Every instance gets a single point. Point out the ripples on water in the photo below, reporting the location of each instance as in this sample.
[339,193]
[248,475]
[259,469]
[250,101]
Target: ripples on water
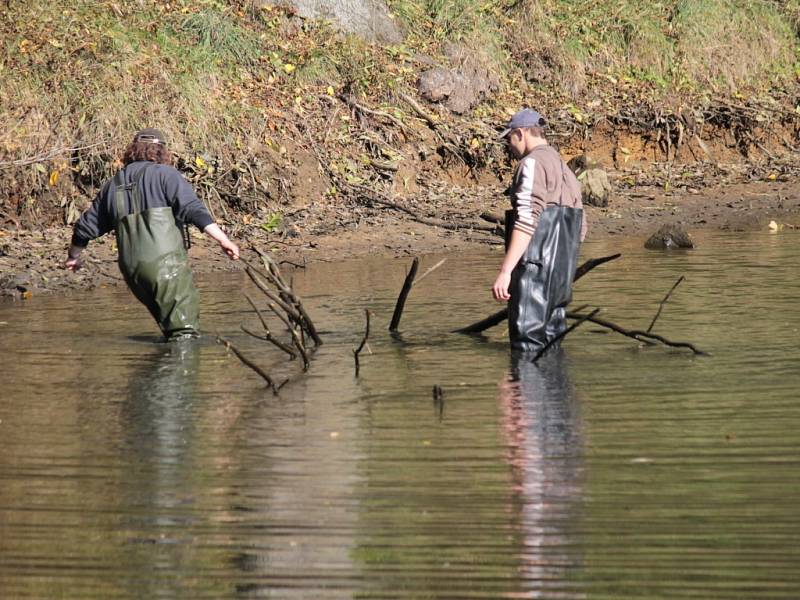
[133,469]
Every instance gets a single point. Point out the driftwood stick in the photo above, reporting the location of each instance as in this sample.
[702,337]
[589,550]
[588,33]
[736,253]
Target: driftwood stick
[363,342]
[286,289]
[247,362]
[661,305]
[401,299]
[640,336]
[564,333]
[502,315]
[293,314]
[429,271]
[295,338]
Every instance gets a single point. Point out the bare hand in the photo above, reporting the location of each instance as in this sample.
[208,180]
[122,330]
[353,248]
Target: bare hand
[500,287]
[73,264]
[231,249]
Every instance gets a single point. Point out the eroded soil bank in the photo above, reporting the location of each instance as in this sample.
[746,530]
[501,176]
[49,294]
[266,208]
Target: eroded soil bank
[31,261]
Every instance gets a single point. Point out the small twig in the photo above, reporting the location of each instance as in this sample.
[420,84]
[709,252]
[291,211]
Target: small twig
[363,342]
[419,110]
[429,271]
[247,362]
[49,155]
[401,299]
[564,333]
[375,113]
[661,305]
[294,264]
[372,196]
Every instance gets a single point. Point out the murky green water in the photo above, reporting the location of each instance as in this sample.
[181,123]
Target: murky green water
[132,470]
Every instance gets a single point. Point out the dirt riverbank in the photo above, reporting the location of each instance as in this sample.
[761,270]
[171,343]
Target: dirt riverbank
[31,261]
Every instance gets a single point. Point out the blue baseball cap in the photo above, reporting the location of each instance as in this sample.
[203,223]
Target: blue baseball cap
[527,117]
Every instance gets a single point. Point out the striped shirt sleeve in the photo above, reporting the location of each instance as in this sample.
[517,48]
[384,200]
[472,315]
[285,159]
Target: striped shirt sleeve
[528,210]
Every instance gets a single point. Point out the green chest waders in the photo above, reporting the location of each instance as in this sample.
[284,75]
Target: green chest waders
[154,262]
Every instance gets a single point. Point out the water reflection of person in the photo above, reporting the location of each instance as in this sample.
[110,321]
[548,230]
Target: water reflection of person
[158,420]
[541,424]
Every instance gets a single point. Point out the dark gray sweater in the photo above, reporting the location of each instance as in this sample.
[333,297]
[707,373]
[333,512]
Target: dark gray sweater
[160,186]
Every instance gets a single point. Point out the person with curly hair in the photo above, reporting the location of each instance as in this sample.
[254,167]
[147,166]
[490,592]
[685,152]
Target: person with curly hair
[147,203]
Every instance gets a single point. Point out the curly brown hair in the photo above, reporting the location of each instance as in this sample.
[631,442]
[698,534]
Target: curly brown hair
[148,151]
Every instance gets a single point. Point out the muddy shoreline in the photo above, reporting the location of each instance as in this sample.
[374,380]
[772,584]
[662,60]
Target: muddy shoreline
[31,261]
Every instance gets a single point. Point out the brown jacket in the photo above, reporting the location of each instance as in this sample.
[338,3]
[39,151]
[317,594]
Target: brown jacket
[542,179]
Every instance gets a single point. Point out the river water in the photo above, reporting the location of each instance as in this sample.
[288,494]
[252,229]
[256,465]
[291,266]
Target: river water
[131,469]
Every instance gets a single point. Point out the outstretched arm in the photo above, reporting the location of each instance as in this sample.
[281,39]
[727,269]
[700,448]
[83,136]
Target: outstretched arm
[231,249]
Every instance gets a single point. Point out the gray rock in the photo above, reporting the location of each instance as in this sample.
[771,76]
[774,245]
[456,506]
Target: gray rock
[436,84]
[369,19]
[595,188]
[669,236]
[594,180]
[461,86]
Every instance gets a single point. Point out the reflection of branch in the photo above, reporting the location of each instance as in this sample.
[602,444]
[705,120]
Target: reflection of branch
[564,333]
[661,306]
[363,341]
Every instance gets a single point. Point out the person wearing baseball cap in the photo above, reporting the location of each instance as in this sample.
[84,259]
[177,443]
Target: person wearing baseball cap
[147,204]
[544,229]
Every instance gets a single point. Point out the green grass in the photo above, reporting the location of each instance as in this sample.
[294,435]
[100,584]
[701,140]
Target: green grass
[678,44]
[213,72]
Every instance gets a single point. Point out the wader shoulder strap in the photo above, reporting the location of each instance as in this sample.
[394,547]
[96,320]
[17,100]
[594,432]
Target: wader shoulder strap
[118,184]
[120,189]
